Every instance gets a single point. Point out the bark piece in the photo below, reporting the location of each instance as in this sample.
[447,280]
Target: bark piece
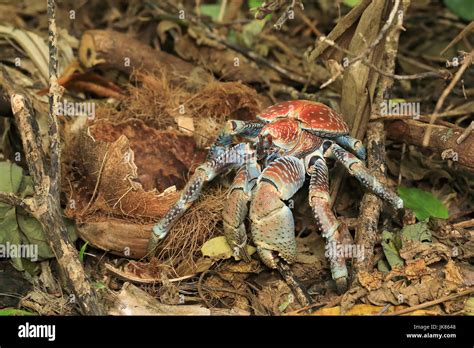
[442,140]
[131,300]
[125,53]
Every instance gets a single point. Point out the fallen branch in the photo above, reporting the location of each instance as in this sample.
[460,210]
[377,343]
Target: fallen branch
[466,62]
[444,74]
[249,54]
[46,209]
[371,205]
[129,277]
[45,204]
[442,139]
[358,83]
[466,133]
[125,53]
[432,303]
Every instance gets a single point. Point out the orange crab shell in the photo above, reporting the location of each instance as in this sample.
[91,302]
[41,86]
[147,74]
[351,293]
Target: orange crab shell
[284,131]
[314,117]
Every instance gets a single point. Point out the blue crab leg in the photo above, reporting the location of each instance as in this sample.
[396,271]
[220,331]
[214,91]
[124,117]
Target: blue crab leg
[320,202]
[273,230]
[222,159]
[353,144]
[236,208]
[356,168]
[247,129]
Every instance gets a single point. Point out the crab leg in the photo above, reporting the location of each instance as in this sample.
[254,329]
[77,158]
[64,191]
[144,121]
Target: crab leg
[357,168]
[320,202]
[236,208]
[273,228]
[221,159]
[246,129]
[353,144]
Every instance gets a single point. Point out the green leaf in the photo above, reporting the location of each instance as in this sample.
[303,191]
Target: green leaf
[211,10]
[254,3]
[232,36]
[10,235]
[383,266]
[286,303]
[423,203]
[461,8]
[469,306]
[397,100]
[250,31]
[82,251]
[33,233]
[7,312]
[416,232]
[392,242]
[390,246]
[351,3]
[17,227]
[99,285]
[10,181]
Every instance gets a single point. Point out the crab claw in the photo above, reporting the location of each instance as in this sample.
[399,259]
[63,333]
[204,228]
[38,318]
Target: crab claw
[273,228]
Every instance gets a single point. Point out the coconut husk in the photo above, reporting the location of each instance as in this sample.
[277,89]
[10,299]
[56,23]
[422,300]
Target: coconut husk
[134,159]
[106,180]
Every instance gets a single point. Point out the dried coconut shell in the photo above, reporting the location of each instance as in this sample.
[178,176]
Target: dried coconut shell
[120,167]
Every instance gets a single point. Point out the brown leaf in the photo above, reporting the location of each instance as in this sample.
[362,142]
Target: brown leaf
[370,281]
[416,268]
[453,274]
[429,252]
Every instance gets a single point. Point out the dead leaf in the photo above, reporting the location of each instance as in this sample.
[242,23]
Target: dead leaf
[416,268]
[365,309]
[218,248]
[453,274]
[370,281]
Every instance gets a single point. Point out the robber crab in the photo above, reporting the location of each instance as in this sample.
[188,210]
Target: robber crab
[288,141]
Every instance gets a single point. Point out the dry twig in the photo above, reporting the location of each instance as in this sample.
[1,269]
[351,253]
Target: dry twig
[371,205]
[466,62]
[45,204]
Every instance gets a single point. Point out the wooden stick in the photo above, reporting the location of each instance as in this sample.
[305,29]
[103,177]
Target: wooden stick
[432,303]
[55,92]
[371,205]
[467,61]
[301,294]
[14,200]
[442,139]
[465,134]
[45,204]
[47,211]
[125,53]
